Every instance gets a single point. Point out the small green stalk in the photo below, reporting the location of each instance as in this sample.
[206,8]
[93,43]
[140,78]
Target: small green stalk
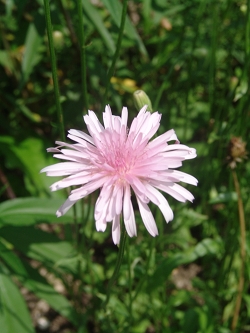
[118,264]
[54,69]
[83,53]
[117,51]
[241,282]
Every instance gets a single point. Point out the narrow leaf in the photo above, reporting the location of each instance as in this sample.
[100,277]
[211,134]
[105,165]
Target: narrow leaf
[40,245]
[96,20]
[115,9]
[30,211]
[14,315]
[37,284]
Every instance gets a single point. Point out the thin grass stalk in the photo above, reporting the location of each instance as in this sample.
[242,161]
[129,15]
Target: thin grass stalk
[244,101]
[54,69]
[83,53]
[190,70]
[242,252]
[117,51]
[212,67]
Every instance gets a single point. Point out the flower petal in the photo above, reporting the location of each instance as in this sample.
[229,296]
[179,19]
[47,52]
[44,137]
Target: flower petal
[162,203]
[82,135]
[63,169]
[147,218]
[116,232]
[128,213]
[65,207]
[101,225]
[81,192]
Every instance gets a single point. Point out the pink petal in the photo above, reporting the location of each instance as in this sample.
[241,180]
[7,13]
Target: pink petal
[107,117]
[87,189]
[100,225]
[82,135]
[128,213]
[116,232]
[62,169]
[124,116]
[162,203]
[65,207]
[167,136]
[147,218]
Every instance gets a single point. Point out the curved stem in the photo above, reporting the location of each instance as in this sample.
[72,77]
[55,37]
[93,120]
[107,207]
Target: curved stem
[117,51]
[118,263]
[242,252]
[83,54]
[54,69]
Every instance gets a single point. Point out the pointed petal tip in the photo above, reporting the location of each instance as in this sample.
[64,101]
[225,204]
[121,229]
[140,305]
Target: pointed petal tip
[59,214]
[101,225]
[42,170]
[53,188]
[170,219]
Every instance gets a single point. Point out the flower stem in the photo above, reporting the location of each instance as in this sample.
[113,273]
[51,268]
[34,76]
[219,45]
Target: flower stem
[83,53]
[54,69]
[145,276]
[118,264]
[242,252]
[129,285]
[117,51]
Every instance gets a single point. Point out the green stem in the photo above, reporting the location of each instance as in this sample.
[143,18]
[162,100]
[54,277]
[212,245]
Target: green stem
[212,66]
[242,252]
[83,53]
[144,278]
[129,286]
[54,69]
[118,263]
[117,51]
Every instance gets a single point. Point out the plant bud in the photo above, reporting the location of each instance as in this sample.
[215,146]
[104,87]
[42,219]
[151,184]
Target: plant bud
[141,99]
[236,151]
[58,40]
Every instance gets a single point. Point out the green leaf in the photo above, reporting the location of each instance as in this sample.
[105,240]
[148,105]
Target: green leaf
[6,61]
[30,154]
[115,9]
[223,197]
[191,322]
[96,20]
[33,281]
[31,157]
[33,41]
[206,247]
[9,4]
[14,316]
[42,246]
[30,211]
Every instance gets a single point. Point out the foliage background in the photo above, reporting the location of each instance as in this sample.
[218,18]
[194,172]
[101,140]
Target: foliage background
[192,59]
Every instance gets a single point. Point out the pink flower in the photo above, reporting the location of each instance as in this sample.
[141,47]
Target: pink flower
[116,160]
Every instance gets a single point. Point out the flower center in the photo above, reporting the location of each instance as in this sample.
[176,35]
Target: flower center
[118,155]
[119,158]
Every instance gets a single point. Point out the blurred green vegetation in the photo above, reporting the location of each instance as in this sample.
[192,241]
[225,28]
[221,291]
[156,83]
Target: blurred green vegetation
[192,58]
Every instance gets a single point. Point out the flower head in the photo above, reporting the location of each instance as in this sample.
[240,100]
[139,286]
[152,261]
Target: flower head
[237,151]
[116,160]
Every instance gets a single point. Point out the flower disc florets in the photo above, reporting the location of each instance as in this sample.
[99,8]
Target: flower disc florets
[115,161]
